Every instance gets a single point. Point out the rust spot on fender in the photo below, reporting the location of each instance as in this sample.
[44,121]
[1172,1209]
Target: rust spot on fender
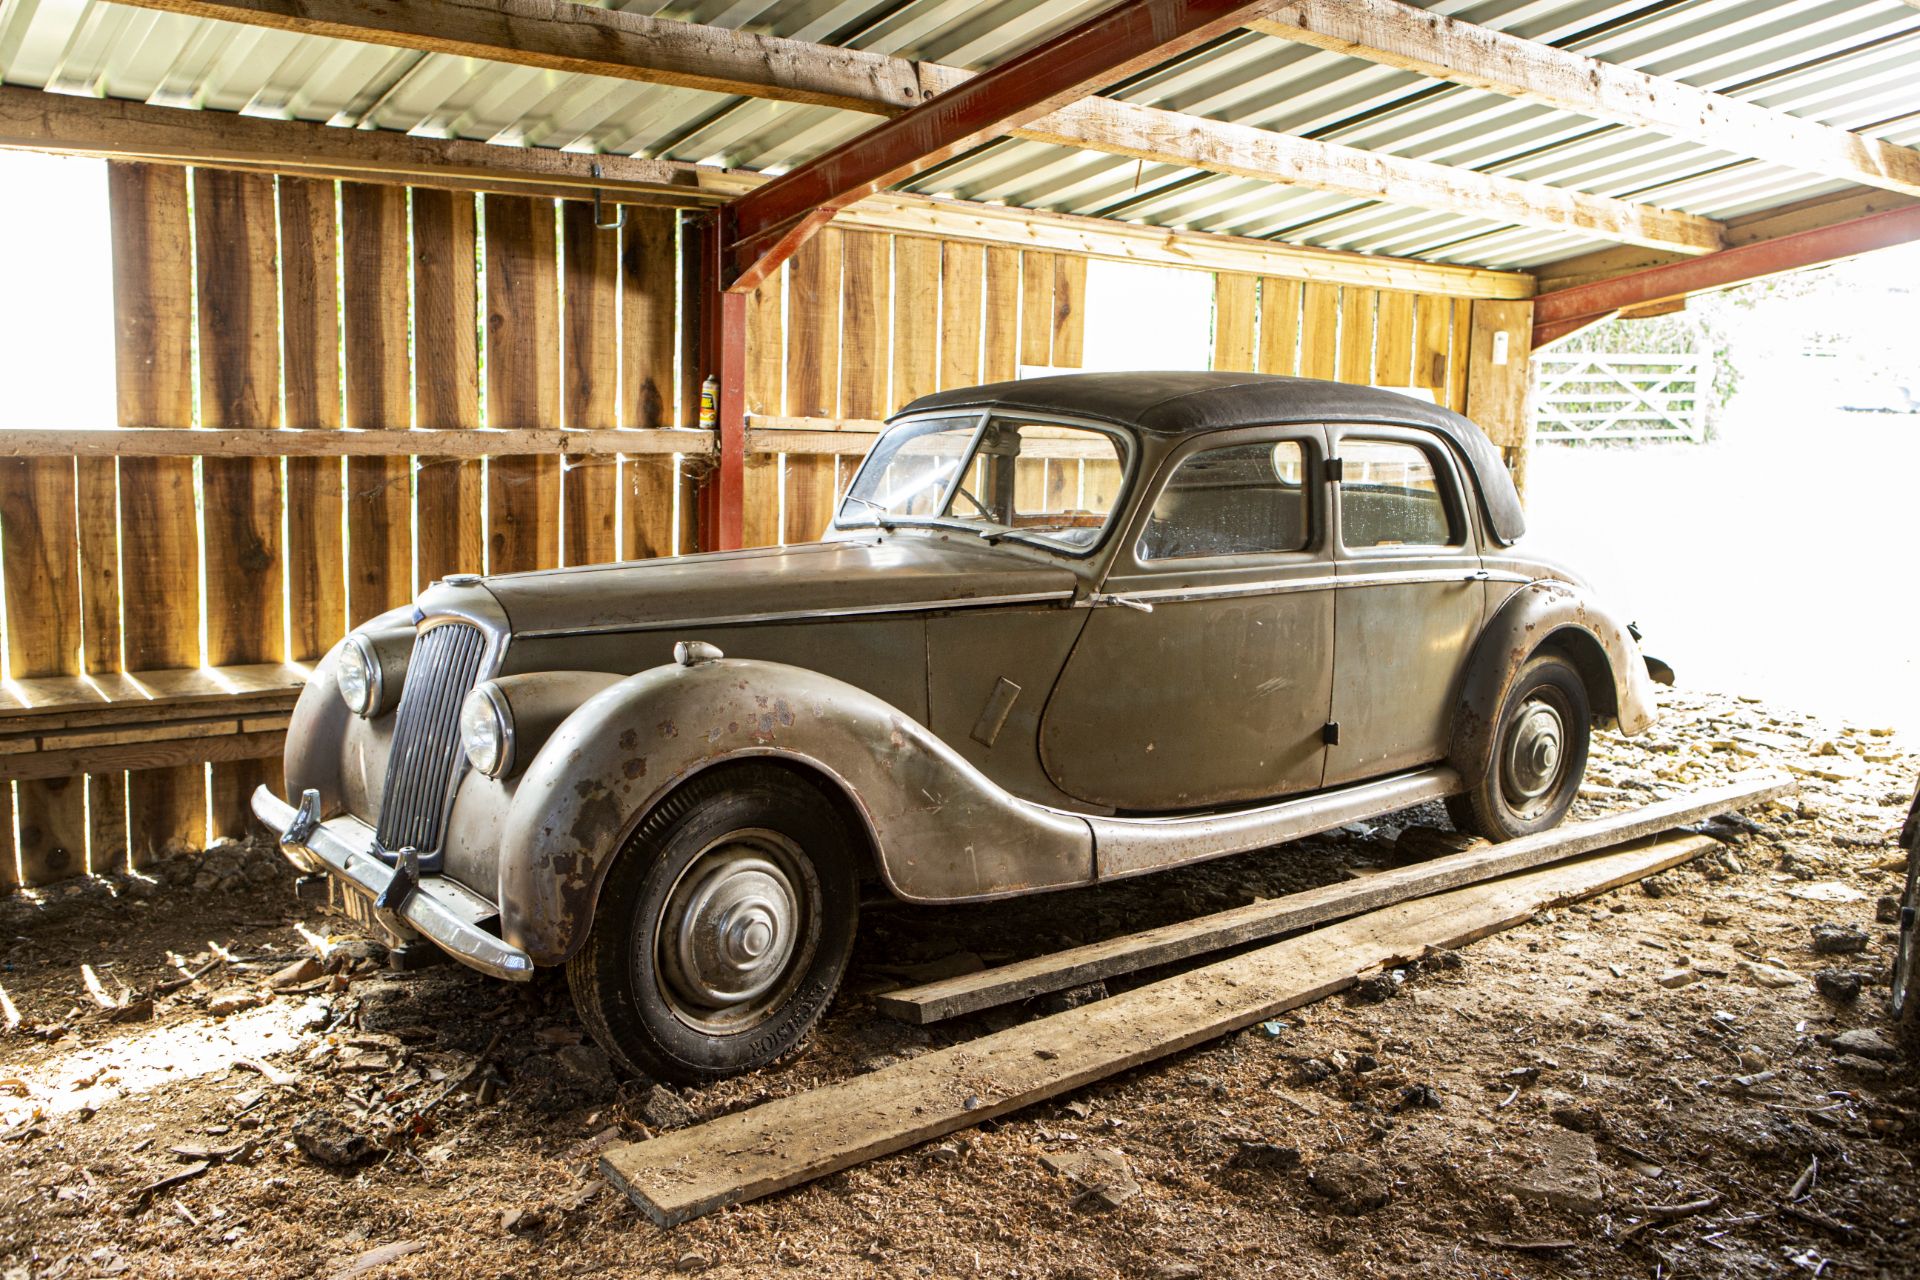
[599,816]
[668,729]
[629,739]
[635,768]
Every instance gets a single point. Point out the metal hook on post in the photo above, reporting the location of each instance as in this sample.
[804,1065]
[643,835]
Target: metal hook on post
[599,209]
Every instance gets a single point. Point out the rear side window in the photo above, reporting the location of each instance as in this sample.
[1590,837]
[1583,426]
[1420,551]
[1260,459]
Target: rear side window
[1390,496]
[1244,499]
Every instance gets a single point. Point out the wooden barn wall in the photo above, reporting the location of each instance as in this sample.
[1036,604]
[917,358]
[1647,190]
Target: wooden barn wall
[243,300]
[860,323]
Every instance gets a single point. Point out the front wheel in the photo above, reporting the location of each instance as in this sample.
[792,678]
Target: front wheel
[1539,755]
[723,928]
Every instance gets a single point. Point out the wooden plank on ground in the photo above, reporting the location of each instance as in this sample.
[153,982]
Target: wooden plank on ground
[523,381]
[1000,351]
[649,273]
[449,532]
[781,1144]
[379,506]
[590,486]
[1130,953]
[239,319]
[962,281]
[310,366]
[1279,325]
[1319,330]
[916,319]
[1233,311]
[158,540]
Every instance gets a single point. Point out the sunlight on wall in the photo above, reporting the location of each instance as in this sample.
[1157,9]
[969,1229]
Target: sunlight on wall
[1141,317]
[56,275]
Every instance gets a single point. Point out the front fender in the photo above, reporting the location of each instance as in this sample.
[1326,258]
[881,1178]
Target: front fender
[1598,643]
[941,831]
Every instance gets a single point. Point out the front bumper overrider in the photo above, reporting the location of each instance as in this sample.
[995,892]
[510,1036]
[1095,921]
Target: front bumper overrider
[442,910]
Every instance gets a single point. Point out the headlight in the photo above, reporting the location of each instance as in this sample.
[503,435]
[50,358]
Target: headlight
[358,675]
[486,730]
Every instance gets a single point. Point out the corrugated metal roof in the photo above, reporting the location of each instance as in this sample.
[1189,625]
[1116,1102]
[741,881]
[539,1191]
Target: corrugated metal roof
[1855,65]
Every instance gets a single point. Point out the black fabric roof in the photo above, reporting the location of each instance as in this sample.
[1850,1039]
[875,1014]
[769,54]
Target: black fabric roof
[1185,402]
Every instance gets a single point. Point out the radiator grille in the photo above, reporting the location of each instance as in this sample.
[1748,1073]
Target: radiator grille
[426,736]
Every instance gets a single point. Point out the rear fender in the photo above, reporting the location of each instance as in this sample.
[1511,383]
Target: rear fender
[1563,616]
[940,830]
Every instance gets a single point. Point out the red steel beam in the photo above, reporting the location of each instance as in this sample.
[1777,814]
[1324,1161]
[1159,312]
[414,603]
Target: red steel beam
[1565,311]
[722,355]
[767,225]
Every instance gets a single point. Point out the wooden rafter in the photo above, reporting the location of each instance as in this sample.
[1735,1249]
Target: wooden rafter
[33,119]
[1399,35]
[605,42]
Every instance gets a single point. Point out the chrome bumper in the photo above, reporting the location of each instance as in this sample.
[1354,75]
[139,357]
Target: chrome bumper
[442,910]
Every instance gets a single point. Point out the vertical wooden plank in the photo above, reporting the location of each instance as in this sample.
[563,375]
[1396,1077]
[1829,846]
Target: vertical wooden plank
[865,294]
[1499,379]
[1279,325]
[158,546]
[449,533]
[373,224]
[822,364]
[310,362]
[523,380]
[41,568]
[590,485]
[9,867]
[916,319]
[1001,316]
[1356,334]
[1069,310]
[1458,353]
[649,258]
[1393,340]
[962,280]
[1319,330]
[1433,323]
[766,354]
[239,319]
[1036,308]
[1233,321]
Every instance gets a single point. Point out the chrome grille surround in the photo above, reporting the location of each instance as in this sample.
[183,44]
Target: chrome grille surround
[424,762]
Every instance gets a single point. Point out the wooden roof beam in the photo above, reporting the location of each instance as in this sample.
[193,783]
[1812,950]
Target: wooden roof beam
[110,128]
[605,42]
[1399,35]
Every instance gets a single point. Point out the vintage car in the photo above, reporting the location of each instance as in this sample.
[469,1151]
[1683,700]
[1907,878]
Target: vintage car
[1062,631]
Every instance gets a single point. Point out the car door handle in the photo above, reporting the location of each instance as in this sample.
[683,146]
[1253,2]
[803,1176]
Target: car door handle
[1125,602]
[1479,575]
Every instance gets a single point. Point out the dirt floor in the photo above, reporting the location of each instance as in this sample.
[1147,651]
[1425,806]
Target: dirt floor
[1671,1080]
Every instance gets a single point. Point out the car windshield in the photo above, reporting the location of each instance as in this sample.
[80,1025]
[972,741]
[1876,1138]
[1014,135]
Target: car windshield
[1046,483]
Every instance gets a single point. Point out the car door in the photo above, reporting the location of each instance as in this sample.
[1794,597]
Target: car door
[1203,674]
[1409,601]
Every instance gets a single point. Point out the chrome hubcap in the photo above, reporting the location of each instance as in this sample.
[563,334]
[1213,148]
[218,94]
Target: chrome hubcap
[734,924]
[1536,748]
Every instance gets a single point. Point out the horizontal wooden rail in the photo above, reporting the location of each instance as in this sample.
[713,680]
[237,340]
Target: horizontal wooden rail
[157,442]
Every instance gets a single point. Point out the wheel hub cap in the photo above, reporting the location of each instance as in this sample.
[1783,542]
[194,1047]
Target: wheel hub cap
[1535,749]
[736,928]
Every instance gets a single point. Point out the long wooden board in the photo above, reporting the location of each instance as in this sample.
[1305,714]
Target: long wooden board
[1130,953]
[793,1140]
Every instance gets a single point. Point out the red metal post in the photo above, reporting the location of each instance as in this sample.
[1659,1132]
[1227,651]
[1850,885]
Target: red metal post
[766,226]
[722,356]
[1564,311]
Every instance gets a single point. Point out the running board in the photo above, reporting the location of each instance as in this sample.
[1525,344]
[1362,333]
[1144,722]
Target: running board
[1135,846]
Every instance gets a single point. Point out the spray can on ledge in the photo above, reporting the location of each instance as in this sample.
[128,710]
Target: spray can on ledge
[710,403]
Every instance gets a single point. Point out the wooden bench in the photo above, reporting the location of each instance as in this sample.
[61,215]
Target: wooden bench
[61,726]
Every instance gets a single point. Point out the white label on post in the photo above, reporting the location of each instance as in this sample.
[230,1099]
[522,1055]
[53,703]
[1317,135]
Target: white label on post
[1500,344]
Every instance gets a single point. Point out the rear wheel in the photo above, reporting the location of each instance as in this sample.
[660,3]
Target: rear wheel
[1539,755]
[723,928]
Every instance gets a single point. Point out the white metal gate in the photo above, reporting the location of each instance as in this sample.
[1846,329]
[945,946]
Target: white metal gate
[1621,396]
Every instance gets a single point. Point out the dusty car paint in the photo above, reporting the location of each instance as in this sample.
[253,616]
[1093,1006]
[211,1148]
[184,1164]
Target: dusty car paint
[999,719]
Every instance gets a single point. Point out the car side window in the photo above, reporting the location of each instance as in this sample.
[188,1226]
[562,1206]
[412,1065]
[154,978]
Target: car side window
[1391,496]
[1241,499]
